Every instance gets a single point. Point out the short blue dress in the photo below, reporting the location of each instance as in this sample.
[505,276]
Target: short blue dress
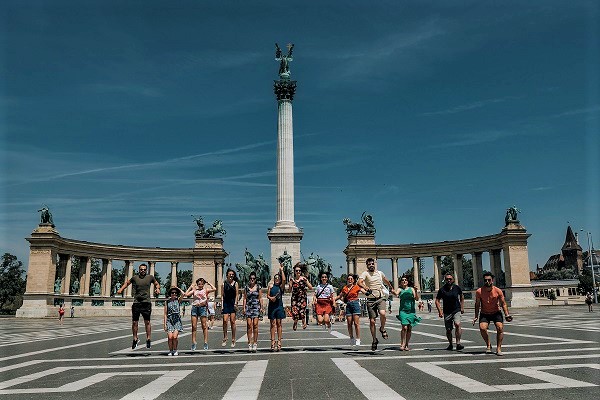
[173,316]
[275,310]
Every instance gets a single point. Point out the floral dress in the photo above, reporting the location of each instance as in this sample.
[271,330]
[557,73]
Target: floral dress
[173,316]
[298,299]
[252,303]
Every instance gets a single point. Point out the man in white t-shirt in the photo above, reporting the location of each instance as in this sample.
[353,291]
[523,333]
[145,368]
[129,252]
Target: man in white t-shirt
[372,281]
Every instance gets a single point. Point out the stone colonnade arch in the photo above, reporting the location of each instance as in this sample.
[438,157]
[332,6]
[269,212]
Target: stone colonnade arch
[510,246]
[50,262]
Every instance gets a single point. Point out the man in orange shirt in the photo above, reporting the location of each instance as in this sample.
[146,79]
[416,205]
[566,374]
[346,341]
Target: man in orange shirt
[490,300]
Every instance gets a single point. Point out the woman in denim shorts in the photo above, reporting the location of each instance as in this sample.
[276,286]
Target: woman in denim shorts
[349,294]
[200,308]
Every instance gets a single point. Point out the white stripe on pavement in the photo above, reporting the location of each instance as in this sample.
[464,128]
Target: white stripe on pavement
[248,382]
[371,387]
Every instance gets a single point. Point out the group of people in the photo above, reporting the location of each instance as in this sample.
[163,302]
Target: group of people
[372,283]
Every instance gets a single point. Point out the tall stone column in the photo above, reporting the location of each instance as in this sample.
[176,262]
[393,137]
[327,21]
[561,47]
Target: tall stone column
[437,261]
[516,266]
[66,286]
[458,268]
[129,265]
[174,273]
[88,276]
[495,263]
[82,261]
[395,273]
[416,272]
[477,269]
[106,277]
[219,279]
[349,269]
[285,235]
[152,271]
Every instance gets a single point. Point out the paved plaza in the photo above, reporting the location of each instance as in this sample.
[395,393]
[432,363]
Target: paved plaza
[551,352]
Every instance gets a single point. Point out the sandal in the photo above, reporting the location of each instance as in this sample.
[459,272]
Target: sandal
[272,345]
[374,345]
[224,342]
[295,325]
[303,326]
[278,345]
[384,333]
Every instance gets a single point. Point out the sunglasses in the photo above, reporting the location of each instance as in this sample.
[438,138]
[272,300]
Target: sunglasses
[297,270]
[252,279]
[487,280]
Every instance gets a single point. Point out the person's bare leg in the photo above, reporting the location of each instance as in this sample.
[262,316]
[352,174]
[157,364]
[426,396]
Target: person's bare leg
[383,318]
[499,336]
[356,319]
[194,329]
[148,327]
[233,327]
[407,336]
[255,328]
[279,330]
[350,323]
[403,337]
[449,335]
[134,329]
[204,328]
[225,321]
[249,330]
[458,332]
[483,329]
[372,328]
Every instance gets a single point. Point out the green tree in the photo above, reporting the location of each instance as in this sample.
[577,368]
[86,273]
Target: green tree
[183,276]
[565,273]
[465,281]
[12,283]
[117,277]
[585,282]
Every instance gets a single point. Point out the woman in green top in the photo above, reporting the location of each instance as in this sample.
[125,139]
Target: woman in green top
[407,315]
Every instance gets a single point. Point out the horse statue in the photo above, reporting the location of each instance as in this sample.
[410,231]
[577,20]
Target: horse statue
[369,225]
[216,228]
[46,216]
[201,231]
[352,228]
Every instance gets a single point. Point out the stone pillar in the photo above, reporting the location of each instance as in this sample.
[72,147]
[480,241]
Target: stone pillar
[174,273]
[87,277]
[66,287]
[82,261]
[477,269]
[516,266]
[395,273]
[219,279]
[129,265]
[106,281]
[416,272]
[285,236]
[208,252]
[349,269]
[495,263]
[458,268]
[437,261]
[151,271]
[361,247]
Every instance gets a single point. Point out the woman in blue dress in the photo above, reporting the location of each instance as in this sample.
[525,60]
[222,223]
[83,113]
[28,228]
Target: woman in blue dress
[252,304]
[172,319]
[407,313]
[275,311]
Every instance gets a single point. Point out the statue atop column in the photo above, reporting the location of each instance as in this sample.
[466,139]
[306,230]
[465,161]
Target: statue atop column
[211,232]
[284,60]
[511,215]
[356,228]
[46,216]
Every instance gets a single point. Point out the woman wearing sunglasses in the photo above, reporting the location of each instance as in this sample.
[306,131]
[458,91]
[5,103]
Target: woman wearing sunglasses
[299,285]
[252,305]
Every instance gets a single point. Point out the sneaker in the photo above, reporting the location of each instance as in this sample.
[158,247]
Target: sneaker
[148,344]
[357,342]
[250,348]
[459,346]
[170,353]
[135,344]
[205,346]
[488,350]
[224,343]
[329,328]
[232,343]
[254,347]
[175,353]
[352,342]
[450,347]
[193,346]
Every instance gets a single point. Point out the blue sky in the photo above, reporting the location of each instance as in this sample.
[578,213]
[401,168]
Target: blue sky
[127,117]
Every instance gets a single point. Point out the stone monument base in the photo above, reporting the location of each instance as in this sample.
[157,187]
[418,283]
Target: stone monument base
[520,297]
[284,241]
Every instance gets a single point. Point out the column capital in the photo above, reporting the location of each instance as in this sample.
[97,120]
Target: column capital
[284,90]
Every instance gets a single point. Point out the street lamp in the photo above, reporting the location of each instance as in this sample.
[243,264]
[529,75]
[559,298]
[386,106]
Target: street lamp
[591,256]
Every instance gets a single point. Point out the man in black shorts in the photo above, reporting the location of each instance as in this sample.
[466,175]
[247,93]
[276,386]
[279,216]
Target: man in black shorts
[454,306]
[142,304]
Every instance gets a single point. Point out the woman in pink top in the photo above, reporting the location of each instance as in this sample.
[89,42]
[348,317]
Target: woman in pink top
[200,293]
[490,299]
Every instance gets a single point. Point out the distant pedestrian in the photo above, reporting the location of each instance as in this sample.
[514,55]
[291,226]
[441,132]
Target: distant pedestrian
[72,311]
[172,319]
[61,313]
[200,293]
[490,300]
[183,310]
[323,301]
[253,309]
[349,294]
[454,306]
[429,305]
[230,295]
[211,312]
[588,301]
[373,282]
[142,304]
[275,311]
[299,284]
[407,315]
